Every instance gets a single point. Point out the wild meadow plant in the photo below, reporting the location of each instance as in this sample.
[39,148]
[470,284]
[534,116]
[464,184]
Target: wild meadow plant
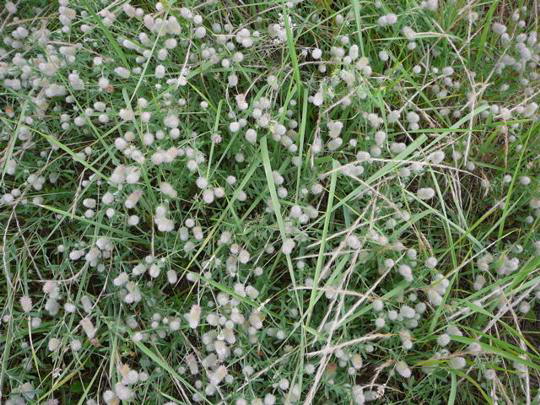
[269,202]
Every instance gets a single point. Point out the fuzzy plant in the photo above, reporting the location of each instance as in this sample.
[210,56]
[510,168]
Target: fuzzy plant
[269,202]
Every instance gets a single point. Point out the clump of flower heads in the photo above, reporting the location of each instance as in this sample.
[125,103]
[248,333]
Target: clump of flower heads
[293,202]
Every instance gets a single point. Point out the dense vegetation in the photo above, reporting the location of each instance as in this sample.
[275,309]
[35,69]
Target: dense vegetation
[269,202]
